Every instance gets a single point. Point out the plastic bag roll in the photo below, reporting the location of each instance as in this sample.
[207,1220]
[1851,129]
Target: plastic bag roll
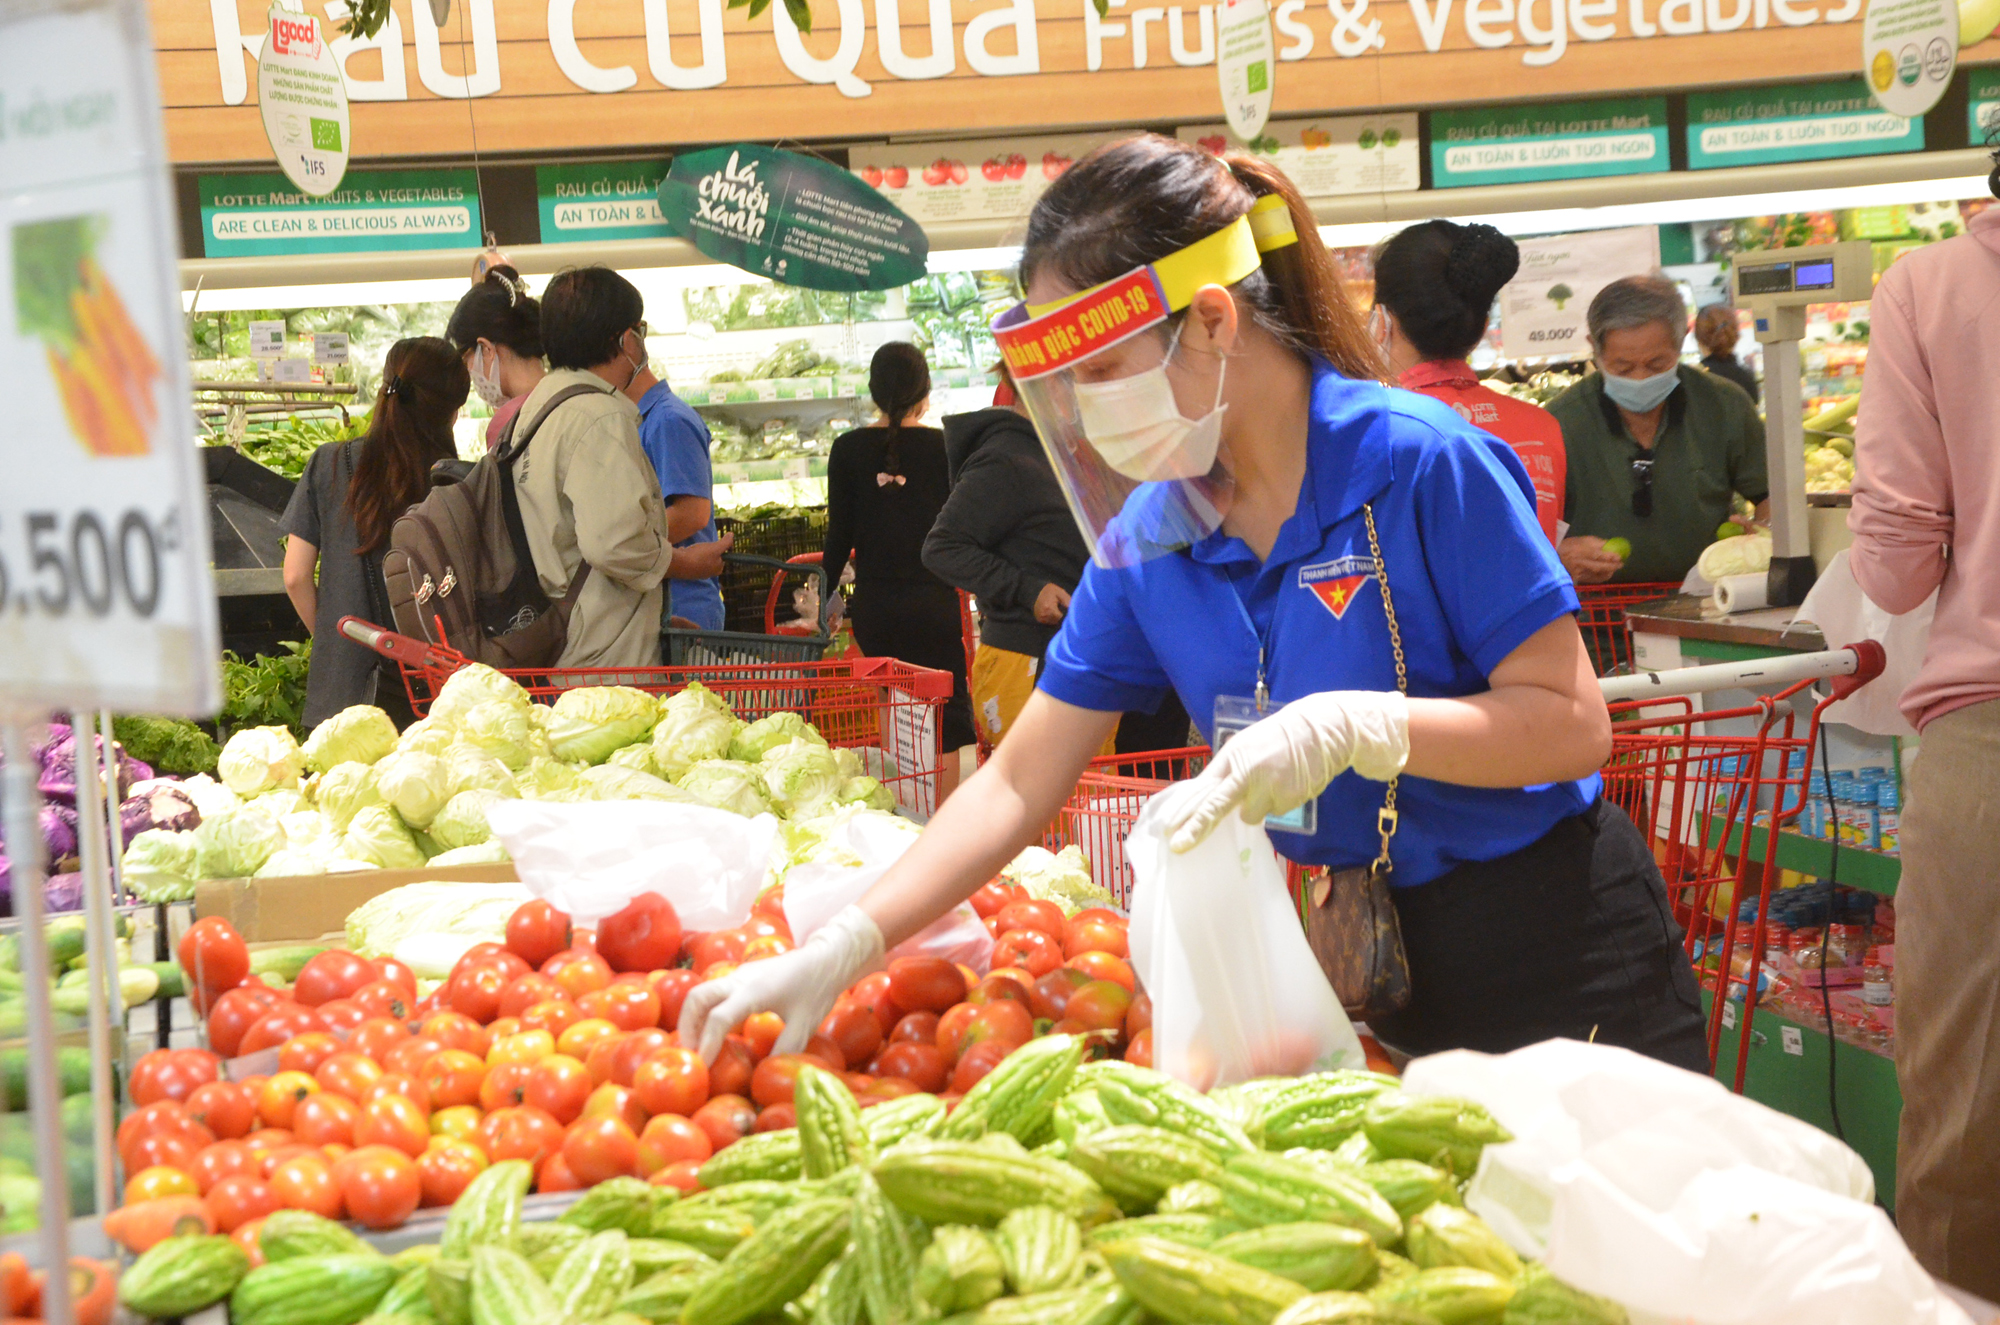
[1742,593]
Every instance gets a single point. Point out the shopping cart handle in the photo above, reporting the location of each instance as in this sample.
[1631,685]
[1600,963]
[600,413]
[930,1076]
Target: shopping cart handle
[1869,661]
[1850,668]
[361,632]
[396,648]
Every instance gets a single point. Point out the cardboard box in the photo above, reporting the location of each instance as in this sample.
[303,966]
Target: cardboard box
[305,907]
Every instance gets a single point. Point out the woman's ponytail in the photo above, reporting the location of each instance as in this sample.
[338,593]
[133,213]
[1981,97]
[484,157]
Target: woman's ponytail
[899,380]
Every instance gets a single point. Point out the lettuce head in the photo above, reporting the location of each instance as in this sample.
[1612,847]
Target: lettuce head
[425,736]
[291,861]
[801,779]
[468,768]
[377,836]
[343,790]
[610,782]
[543,777]
[639,758]
[470,686]
[484,853]
[690,734]
[209,796]
[360,734]
[236,845]
[727,784]
[415,784]
[694,696]
[592,721]
[260,759]
[867,791]
[162,866]
[767,734]
[462,821]
[502,731]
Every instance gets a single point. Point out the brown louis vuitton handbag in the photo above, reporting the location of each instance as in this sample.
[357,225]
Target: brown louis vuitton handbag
[1350,917]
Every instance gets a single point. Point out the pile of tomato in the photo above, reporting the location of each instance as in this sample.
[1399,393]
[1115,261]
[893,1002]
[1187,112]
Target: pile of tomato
[558,1047]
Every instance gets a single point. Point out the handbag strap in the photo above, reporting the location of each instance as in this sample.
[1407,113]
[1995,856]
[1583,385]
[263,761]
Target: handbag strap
[1386,819]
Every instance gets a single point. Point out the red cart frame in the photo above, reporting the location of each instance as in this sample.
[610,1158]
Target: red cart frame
[1606,632]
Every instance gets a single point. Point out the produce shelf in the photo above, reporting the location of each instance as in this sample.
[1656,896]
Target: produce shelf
[1859,868]
[765,471]
[839,386]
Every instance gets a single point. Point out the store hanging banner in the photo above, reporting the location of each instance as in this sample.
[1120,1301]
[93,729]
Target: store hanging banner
[1909,50]
[1331,155]
[1245,64]
[303,101]
[1982,106]
[990,179]
[796,219]
[1542,309]
[615,200]
[1757,126]
[1520,144]
[373,211]
[105,594]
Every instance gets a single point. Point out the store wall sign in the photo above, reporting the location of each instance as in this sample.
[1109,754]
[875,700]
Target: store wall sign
[553,75]
[373,211]
[1517,144]
[796,219]
[1246,65]
[616,200]
[1330,155]
[1542,309]
[1909,50]
[105,594]
[1813,122]
[303,102]
[1982,109]
[993,179]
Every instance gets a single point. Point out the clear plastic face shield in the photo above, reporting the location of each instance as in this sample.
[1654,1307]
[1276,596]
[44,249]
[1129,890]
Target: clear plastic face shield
[1145,473]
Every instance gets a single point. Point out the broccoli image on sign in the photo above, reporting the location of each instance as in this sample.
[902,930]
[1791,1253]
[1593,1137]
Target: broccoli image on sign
[1560,294]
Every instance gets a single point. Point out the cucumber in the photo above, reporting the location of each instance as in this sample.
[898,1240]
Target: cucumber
[173,984]
[72,1067]
[65,945]
[284,963]
[136,985]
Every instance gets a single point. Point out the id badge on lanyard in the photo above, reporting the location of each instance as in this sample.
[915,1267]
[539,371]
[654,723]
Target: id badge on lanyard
[1232,714]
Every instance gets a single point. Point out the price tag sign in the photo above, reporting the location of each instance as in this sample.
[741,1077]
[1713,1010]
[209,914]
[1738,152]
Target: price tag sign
[1793,1040]
[267,340]
[304,102]
[294,371]
[329,347]
[796,468]
[105,594]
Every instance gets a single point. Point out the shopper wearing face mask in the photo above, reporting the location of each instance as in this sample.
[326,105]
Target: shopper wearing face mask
[1248,486]
[1435,284]
[497,329]
[1657,449]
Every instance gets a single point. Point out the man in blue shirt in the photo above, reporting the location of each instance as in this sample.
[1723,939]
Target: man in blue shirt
[677,442]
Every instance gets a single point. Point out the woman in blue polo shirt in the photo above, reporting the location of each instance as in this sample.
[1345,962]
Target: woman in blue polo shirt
[1247,483]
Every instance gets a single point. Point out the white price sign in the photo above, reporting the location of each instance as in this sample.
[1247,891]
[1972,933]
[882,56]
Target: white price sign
[1246,65]
[304,102]
[329,347]
[1909,49]
[292,371]
[1542,309]
[105,594]
[267,340]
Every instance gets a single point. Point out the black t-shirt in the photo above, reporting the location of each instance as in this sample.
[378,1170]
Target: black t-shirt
[884,521]
[343,672]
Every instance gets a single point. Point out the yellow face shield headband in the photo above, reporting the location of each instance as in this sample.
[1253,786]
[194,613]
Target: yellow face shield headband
[1223,258]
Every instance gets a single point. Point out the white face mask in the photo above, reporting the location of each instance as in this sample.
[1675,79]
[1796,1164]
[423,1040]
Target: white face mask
[488,387]
[1137,426]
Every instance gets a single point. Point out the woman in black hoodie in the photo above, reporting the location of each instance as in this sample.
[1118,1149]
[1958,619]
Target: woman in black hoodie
[1006,537]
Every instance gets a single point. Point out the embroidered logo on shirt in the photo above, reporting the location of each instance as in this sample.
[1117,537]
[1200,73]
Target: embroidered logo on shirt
[1337,582]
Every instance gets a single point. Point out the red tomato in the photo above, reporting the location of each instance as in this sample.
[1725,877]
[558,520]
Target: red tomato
[380,1186]
[726,1119]
[174,1150]
[375,1037]
[1100,1006]
[455,1030]
[393,1120]
[554,1176]
[325,1119]
[917,1028]
[976,1062]
[223,1159]
[722,945]
[558,1086]
[341,1014]
[599,1149]
[998,984]
[348,1074]
[888,1088]
[1099,965]
[235,1201]
[872,992]
[668,1139]
[172,1074]
[760,1032]
[522,1132]
[950,1039]
[925,984]
[1140,1050]
[672,1080]
[526,991]
[335,973]
[990,899]
[770,945]
[454,1076]
[410,1056]
[634,1050]
[1003,1020]
[577,971]
[160,1116]
[306,1182]
[223,1107]
[245,1237]
[536,932]
[1052,993]
[923,1065]
[778,1117]
[853,1030]
[303,1053]
[386,998]
[278,1025]
[397,1083]
[555,1016]
[776,1077]
[398,974]
[446,1168]
[683,1175]
[213,955]
[612,1100]
[821,1047]
[233,1014]
[505,1086]
[626,1006]
[730,1073]
[1139,1017]
[475,990]
[672,987]
[645,936]
[1094,936]
[598,1059]
[281,1096]
[1045,917]
[1029,948]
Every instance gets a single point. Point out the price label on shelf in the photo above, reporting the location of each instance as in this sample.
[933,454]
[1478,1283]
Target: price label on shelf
[795,469]
[267,339]
[293,372]
[1729,1016]
[1793,1040]
[329,347]
[105,593]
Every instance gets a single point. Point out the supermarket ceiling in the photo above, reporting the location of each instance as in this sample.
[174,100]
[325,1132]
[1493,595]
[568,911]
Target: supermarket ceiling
[561,76]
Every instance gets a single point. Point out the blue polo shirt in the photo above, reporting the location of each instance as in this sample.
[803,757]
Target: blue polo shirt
[677,442]
[1472,576]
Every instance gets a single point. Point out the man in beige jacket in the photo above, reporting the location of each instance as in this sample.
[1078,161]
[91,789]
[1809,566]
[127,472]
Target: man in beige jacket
[588,493]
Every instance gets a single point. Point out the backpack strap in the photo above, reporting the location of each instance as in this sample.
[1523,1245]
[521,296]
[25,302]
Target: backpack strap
[504,456]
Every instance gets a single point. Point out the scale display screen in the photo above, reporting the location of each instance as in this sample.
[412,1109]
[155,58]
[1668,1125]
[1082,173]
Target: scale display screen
[1776,277]
[1813,275]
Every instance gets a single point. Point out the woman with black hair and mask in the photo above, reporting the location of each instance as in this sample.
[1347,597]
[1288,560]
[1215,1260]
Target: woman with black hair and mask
[497,330]
[1434,289]
[885,485]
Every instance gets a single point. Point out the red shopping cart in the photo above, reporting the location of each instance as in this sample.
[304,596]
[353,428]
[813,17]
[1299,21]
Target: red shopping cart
[885,710]
[1606,633]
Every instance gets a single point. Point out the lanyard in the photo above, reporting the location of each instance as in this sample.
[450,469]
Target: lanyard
[1263,692]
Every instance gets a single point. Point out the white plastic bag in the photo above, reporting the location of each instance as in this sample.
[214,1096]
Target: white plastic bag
[1237,992]
[814,892]
[1845,616]
[1660,1189]
[591,858]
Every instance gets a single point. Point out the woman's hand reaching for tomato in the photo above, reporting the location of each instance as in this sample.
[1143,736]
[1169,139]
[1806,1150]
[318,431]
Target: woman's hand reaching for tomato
[800,986]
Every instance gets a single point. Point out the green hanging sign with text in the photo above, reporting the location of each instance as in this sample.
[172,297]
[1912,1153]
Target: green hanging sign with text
[796,219]
[1761,125]
[1982,106]
[1520,144]
[614,200]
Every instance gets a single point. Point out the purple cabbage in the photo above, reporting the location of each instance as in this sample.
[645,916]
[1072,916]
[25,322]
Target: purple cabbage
[157,804]
[63,892]
[58,758]
[59,824]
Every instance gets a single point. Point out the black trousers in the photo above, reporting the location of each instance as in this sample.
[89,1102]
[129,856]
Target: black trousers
[919,624]
[1569,936]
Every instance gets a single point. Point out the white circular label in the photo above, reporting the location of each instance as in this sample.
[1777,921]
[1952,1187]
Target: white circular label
[1909,49]
[304,102]
[1246,65]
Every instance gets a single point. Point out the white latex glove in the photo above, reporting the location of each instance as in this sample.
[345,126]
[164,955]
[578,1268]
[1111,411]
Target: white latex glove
[800,986]
[1281,762]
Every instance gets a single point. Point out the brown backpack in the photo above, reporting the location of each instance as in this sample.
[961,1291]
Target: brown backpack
[461,573]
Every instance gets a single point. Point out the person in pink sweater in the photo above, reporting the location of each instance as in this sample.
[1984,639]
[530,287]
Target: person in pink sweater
[1926,517]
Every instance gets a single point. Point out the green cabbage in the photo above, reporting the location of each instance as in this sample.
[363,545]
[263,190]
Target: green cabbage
[235,845]
[462,821]
[727,785]
[802,779]
[544,776]
[485,853]
[377,836]
[281,802]
[867,791]
[288,862]
[209,796]
[260,759]
[361,734]
[609,782]
[639,758]
[574,794]
[468,768]
[690,734]
[809,841]
[694,695]
[503,731]
[477,910]
[1060,877]
[1746,554]
[161,865]
[305,830]
[470,686]
[416,784]
[343,790]
[767,734]
[425,736]
[850,763]
[592,721]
